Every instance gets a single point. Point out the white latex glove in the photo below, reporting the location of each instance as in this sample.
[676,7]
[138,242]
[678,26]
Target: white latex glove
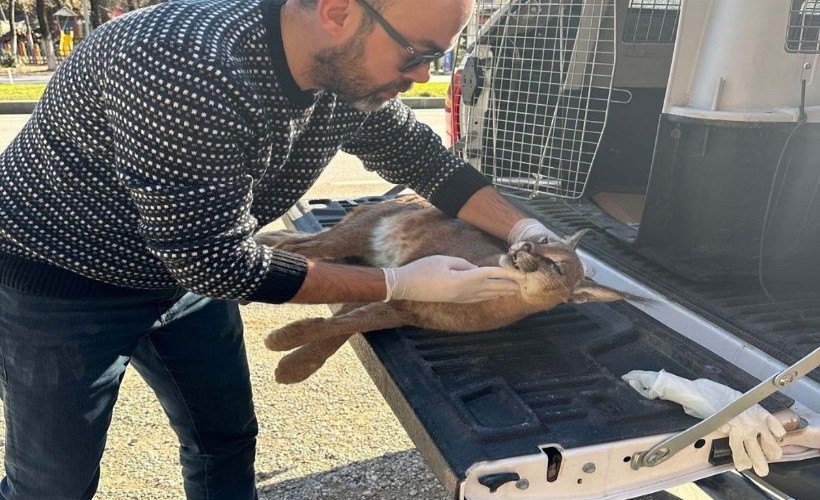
[530,230]
[440,278]
[753,435]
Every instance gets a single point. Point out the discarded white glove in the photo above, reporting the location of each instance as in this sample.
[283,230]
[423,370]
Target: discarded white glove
[753,435]
[440,278]
[530,230]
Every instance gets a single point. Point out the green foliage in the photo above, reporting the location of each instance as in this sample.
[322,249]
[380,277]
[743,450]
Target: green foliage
[7,60]
[21,91]
[429,89]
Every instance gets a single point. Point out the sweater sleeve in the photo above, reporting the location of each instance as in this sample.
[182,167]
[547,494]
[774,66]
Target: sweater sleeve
[179,127]
[405,151]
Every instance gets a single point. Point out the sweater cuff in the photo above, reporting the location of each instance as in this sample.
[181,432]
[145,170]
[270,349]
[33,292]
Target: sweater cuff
[285,277]
[457,189]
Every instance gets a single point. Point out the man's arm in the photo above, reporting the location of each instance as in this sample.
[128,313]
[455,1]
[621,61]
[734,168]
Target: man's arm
[436,278]
[392,142]
[327,283]
[490,212]
[405,151]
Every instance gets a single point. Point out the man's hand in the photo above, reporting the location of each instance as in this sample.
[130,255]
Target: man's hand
[753,435]
[439,278]
[530,230]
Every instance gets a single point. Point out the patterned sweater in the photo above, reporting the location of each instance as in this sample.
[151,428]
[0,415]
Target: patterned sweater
[168,137]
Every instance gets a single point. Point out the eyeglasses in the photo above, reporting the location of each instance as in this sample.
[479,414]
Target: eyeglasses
[416,58]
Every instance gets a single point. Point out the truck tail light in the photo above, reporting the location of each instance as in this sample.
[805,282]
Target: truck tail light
[451,108]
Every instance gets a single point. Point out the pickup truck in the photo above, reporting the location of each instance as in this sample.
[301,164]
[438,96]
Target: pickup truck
[684,136]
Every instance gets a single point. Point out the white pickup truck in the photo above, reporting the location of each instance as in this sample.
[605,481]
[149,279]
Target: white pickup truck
[684,135]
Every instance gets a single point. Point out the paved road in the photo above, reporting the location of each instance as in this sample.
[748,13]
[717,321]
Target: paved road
[26,78]
[9,126]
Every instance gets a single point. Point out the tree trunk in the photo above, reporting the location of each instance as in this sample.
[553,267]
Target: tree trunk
[29,38]
[45,34]
[96,11]
[88,25]
[13,32]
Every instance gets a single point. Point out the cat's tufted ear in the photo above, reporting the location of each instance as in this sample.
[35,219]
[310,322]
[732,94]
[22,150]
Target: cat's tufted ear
[589,291]
[573,240]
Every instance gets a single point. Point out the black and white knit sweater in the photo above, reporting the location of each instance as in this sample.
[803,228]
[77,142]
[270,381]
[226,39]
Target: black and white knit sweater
[168,137]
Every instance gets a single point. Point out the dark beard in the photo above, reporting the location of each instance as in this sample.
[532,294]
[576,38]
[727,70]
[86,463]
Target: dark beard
[337,70]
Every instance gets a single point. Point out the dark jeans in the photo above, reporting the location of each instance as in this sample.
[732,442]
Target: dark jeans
[62,363]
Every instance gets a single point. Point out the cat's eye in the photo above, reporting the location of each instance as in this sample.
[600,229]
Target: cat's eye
[555,267]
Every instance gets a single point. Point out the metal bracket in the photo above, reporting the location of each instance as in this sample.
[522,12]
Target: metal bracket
[394,191]
[669,447]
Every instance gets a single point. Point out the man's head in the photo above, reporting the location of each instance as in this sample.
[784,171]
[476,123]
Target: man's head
[370,50]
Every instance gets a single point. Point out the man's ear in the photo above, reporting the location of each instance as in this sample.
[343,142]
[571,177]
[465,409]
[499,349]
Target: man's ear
[338,18]
[589,291]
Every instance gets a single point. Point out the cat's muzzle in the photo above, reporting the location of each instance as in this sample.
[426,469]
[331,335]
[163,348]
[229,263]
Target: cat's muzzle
[520,258]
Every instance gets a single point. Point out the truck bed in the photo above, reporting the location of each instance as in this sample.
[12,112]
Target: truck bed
[552,378]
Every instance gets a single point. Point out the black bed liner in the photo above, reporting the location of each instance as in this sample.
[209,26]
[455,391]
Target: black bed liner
[787,329]
[552,378]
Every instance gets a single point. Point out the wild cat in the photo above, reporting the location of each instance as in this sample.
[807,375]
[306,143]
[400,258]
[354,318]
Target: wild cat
[395,232]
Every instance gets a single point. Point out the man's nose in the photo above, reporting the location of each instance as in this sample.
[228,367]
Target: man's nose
[420,74]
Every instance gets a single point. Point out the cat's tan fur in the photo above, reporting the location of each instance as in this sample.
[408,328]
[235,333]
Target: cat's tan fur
[393,233]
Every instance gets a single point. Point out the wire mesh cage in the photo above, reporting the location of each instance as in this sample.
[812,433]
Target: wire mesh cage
[536,90]
[803,33]
[651,21]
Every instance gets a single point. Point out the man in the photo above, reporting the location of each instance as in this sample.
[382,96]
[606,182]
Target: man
[129,201]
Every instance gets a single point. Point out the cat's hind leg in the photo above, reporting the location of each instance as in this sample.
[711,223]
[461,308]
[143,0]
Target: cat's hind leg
[374,316]
[303,362]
